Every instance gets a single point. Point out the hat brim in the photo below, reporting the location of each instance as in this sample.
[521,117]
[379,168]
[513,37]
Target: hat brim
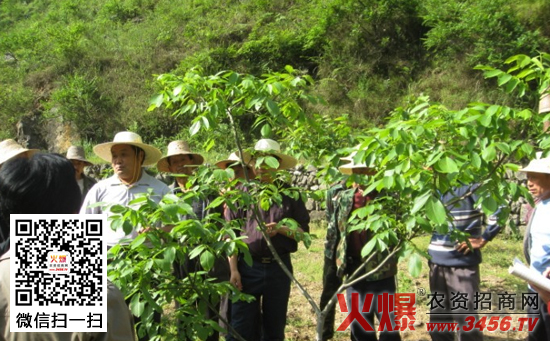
[535,169]
[88,163]
[164,166]
[233,162]
[362,169]
[8,156]
[152,154]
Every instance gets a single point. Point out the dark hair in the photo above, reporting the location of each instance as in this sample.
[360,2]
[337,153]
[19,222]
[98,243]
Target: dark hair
[44,183]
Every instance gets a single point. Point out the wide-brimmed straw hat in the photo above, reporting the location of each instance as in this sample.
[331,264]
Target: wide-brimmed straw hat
[272,147]
[233,159]
[77,153]
[152,154]
[538,166]
[351,167]
[9,149]
[178,148]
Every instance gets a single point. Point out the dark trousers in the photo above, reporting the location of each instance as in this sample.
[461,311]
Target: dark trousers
[270,287]
[542,328]
[331,283]
[447,281]
[363,287]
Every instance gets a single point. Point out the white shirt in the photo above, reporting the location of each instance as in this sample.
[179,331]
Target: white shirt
[113,191]
[540,237]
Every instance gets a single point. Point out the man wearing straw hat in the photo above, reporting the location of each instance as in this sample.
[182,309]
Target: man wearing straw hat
[127,155]
[265,279]
[347,246]
[537,237]
[76,155]
[181,162]
[10,149]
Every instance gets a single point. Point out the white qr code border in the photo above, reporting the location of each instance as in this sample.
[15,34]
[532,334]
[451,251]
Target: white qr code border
[48,253]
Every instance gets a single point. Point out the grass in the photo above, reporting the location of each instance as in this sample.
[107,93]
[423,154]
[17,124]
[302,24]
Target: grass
[308,264]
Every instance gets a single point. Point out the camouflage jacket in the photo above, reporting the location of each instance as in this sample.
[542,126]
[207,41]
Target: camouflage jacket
[339,208]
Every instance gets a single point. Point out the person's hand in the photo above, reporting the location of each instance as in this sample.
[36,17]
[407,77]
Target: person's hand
[546,273]
[271,229]
[477,243]
[144,229]
[235,279]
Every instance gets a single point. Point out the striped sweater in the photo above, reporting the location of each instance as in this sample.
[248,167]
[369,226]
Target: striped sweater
[467,218]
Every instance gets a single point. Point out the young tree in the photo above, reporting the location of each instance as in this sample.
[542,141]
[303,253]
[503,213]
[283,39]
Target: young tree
[424,150]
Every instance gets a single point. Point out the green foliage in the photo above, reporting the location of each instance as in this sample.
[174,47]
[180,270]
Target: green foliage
[367,56]
[80,101]
[144,269]
[485,31]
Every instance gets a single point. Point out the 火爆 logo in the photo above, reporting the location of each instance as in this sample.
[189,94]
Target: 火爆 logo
[58,262]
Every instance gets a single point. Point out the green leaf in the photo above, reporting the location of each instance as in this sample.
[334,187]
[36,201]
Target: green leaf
[157,100]
[177,90]
[489,153]
[272,107]
[388,182]
[415,265]
[420,201]
[492,73]
[446,165]
[138,241]
[367,249]
[503,79]
[489,205]
[207,260]
[476,160]
[266,131]
[170,254]
[137,306]
[271,162]
[118,209]
[436,211]
[195,128]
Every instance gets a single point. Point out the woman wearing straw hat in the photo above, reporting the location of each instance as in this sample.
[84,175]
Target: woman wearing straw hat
[265,279]
[76,155]
[10,149]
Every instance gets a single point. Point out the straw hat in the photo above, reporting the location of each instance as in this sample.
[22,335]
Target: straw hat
[77,153]
[544,103]
[178,148]
[9,149]
[351,167]
[233,159]
[538,166]
[271,147]
[152,154]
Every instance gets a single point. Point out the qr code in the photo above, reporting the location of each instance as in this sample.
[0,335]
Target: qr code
[57,264]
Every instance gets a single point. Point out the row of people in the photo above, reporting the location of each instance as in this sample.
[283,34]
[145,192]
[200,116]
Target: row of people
[265,280]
